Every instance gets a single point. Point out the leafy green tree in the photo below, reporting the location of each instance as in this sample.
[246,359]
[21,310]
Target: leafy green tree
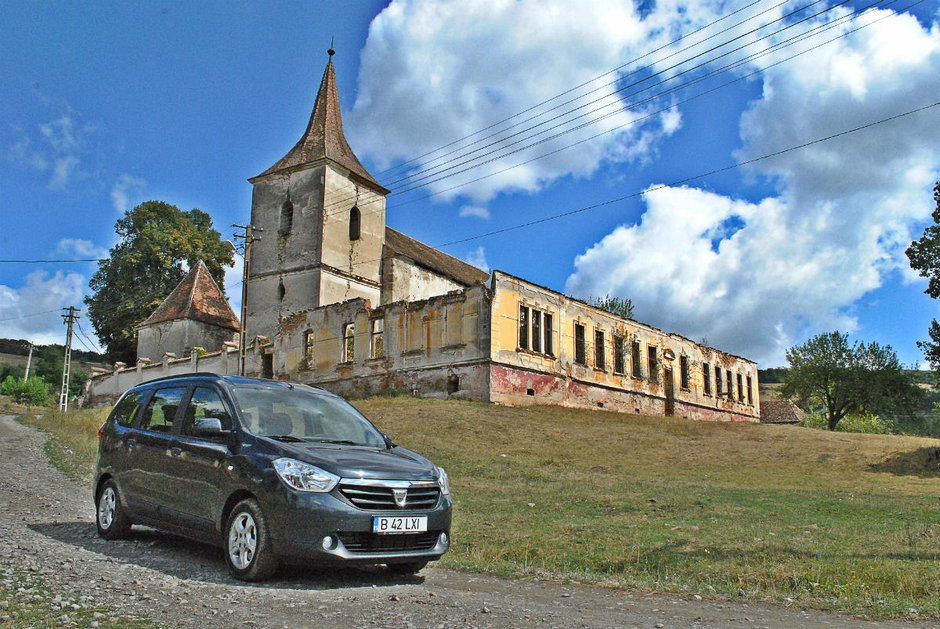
[827,371]
[924,255]
[48,366]
[156,238]
[614,305]
[32,392]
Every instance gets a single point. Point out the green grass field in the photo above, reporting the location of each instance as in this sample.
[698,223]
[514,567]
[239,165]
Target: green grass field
[827,520]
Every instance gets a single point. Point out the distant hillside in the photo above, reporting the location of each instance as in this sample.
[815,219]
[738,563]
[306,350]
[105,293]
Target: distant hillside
[12,349]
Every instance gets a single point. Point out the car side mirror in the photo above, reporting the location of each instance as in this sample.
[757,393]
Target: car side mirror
[388,441]
[208,427]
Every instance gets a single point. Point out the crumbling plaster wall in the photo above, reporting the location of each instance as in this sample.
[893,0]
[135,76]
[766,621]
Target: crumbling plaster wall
[404,281]
[437,346]
[521,376]
[179,337]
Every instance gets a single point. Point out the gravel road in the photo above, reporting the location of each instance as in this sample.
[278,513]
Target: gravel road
[47,531]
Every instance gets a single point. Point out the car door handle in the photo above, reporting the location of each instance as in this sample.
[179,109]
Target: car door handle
[176,452]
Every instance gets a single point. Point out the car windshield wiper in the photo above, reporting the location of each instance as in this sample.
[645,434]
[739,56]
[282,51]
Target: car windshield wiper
[287,438]
[346,442]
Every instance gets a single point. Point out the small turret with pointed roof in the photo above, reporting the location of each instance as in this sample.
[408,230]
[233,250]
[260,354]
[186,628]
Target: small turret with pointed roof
[324,137]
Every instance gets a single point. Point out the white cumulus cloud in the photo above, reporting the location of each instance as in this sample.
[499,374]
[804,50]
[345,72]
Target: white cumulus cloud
[755,277]
[477,258]
[33,310]
[124,189]
[478,211]
[438,70]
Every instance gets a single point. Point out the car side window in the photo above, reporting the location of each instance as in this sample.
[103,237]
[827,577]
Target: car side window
[206,402]
[127,409]
[161,412]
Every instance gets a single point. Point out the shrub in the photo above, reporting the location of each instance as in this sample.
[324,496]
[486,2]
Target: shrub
[30,392]
[863,422]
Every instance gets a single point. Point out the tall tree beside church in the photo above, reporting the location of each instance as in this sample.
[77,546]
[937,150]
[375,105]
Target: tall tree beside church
[156,238]
[924,255]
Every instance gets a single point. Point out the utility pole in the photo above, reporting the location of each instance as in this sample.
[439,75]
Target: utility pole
[70,319]
[249,239]
[29,360]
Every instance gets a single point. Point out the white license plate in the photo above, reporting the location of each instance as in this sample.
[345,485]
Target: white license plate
[400,524]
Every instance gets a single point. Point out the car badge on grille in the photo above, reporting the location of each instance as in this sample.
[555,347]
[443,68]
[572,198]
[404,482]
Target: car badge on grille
[401,496]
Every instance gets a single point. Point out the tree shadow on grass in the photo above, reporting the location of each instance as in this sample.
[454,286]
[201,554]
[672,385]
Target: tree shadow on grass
[923,462]
[187,559]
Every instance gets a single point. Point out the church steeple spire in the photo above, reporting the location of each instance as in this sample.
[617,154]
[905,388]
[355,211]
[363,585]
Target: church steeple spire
[324,138]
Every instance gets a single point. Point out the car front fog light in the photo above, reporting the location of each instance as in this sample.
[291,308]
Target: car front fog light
[329,543]
[444,539]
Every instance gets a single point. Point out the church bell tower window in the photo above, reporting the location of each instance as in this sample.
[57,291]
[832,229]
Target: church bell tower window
[355,218]
[287,218]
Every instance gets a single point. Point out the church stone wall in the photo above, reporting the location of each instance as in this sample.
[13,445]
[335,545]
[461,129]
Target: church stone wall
[179,337]
[408,282]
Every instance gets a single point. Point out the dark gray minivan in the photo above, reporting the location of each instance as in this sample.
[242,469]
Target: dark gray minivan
[272,471]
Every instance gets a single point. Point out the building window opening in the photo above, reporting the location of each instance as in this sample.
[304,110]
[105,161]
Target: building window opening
[536,331]
[523,327]
[453,383]
[349,342]
[580,351]
[267,366]
[287,218]
[281,291]
[707,379]
[740,388]
[308,348]
[619,364]
[729,380]
[377,339]
[750,392]
[652,362]
[718,380]
[637,362]
[355,219]
[548,347]
[599,350]
[684,372]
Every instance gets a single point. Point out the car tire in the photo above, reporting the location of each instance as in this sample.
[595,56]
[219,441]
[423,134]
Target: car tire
[411,567]
[110,516]
[248,550]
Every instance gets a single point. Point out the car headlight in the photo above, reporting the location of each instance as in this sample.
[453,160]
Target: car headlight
[443,481]
[304,477]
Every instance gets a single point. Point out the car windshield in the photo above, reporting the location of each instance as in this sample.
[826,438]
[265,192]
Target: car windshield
[302,415]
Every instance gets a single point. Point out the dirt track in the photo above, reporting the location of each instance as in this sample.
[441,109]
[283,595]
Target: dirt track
[46,529]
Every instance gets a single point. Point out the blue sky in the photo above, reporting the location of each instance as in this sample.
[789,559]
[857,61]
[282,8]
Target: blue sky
[106,105]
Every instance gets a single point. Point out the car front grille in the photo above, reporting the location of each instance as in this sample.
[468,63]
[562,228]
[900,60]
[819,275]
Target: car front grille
[375,543]
[381,497]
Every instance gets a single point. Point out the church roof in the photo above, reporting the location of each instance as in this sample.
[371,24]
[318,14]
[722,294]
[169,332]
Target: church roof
[324,138]
[433,259]
[198,298]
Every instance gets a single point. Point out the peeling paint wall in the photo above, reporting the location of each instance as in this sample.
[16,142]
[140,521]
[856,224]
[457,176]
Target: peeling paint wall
[433,347]
[521,375]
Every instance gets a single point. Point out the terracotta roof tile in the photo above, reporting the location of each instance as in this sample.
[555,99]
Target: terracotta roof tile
[459,271]
[780,412]
[324,137]
[198,298]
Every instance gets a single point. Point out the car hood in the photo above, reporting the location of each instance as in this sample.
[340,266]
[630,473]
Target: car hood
[362,462]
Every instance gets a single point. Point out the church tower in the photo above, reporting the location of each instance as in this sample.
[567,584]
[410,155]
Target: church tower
[323,217]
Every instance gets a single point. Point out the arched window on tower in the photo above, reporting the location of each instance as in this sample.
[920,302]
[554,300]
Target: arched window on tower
[287,218]
[355,218]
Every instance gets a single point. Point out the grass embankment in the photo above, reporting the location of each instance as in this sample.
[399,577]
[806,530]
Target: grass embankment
[827,520]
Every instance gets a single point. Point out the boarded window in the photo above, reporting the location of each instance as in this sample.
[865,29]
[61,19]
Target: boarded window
[637,360]
[523,327]
[706,379]
[652,362]
[750,391]
[684,372]
[740,388]
[580,351]
[718,387]
[619,364]
[599,362]
[349,342]
[377,338]
[355,218]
